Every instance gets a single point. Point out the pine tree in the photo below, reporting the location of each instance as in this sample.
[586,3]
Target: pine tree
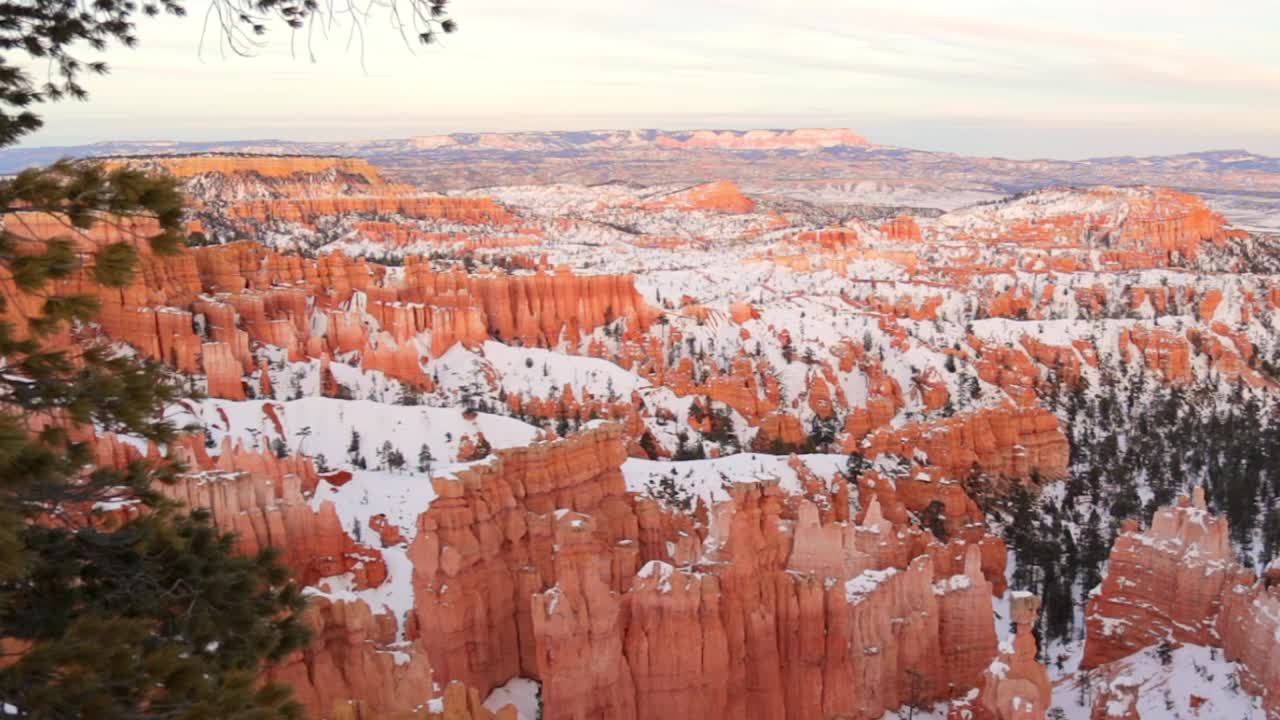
[150,617]
[353,450]
[154,616]
[649,445]
[1094,549]
[395,460]
[425,458]
[933,518]
[408,396]
[384,454]
[1165,652]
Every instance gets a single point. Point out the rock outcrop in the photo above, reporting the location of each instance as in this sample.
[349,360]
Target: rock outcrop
[539,564]
[1016,686]
[1008,441]
[204,310]
[722,196]
[269,166]
[1179,580]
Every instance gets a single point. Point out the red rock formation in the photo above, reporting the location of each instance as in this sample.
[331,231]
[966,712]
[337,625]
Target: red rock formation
[1118,700]
[779,430]
[397,360]
[578,628]
[722,196]
[260,498]
[1165,582]
[264,297]
[1015,686]
[223,370]
[263,500]
[270,166]
[530,565]
[687,625]
[1009,441]
[1161,350]
[902,228]
[1065,361]
[490,533]
[1147,226]
[355,655]
[471,211]
[1009,367]
[1179,580]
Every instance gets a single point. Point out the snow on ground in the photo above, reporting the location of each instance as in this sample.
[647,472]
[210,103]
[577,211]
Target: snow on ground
[710,480]
[1259,212]
[521,692]
[1166,691]
[937,712]
[400,496]
[320,426]
[323,426]
[532,372]
[394,596]
[875,192]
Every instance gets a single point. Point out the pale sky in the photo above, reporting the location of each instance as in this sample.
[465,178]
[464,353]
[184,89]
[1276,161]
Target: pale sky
[1020,78]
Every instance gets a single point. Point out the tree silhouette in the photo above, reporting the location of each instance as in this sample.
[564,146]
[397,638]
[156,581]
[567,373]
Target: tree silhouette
[153,616]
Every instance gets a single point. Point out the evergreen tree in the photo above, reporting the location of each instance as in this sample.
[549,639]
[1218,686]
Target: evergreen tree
[154,616]
[855,465]
[408,396]
[353,450]
[384,450]
[649,445]
[151,617]
[425,458]
[1094,548]
[395,460]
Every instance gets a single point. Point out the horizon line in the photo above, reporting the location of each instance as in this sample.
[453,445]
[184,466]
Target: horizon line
[868,143]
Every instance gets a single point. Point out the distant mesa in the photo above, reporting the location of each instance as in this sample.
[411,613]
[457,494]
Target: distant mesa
[801,139]
[798,139]
[271,166]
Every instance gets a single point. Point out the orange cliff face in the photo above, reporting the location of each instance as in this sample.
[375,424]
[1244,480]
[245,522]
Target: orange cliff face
[459,210]
[722,196]
[538,563]
[1179,579]
[263,297]
[1140,226]
[235,195]
[1007,441]
[612,613]
[265,501]
[270,166]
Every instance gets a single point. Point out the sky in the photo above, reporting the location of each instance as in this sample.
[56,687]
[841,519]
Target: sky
[1026,78]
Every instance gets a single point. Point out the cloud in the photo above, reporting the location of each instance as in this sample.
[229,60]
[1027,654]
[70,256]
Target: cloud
[1093,65]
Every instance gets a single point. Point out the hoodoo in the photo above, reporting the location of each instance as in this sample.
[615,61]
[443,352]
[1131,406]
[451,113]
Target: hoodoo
[773,447]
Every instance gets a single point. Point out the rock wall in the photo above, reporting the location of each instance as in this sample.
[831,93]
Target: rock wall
[186,166]
[1007,440]
[1179,580]
[539,564]
[204,310]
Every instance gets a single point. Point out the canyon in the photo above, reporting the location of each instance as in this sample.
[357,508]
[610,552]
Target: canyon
[688,450]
